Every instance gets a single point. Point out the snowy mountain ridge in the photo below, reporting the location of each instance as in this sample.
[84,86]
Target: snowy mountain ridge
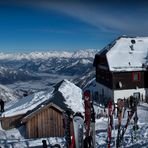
[7,94]
[25,67]
[88,53]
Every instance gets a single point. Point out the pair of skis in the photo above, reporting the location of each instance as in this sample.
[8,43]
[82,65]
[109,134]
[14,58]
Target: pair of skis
[133,110]
[110,122]
[77,135]
[77,140]
[120,106]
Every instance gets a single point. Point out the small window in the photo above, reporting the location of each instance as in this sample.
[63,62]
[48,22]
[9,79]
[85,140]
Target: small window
[136,76]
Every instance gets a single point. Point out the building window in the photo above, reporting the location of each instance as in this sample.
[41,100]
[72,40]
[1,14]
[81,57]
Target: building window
[136,76]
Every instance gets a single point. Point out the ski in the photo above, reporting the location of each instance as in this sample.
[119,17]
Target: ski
[89,141]
[133,110]
[66,125]
[87,106]
[78,124]
[110,123]
[133,106]
[120,105]
[92,126]
[72,141]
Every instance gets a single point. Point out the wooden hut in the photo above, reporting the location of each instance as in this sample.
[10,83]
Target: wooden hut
[47,119]
[44,122]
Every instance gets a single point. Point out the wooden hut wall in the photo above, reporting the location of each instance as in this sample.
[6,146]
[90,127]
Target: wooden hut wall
[11,122]
[48,122]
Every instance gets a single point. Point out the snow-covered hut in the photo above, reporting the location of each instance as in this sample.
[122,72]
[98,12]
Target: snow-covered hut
[42,113]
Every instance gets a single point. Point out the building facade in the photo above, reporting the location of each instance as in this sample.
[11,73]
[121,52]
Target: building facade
[122,69]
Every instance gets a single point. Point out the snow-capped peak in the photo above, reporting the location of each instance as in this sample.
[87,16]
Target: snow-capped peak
[89,53]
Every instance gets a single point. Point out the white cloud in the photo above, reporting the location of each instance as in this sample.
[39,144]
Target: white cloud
[128,18]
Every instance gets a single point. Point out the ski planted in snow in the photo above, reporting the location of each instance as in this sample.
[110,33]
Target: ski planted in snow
[110,123]
[120,105]
[78,124]
[133,110]
[66,125]
[89,141]
[87,106]
[92,126]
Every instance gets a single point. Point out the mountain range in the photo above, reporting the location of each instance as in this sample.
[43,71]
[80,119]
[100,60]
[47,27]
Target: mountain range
[26,73]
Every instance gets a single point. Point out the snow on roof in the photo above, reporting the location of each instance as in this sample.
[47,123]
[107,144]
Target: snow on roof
[72,95]
[128,54]
[26,104]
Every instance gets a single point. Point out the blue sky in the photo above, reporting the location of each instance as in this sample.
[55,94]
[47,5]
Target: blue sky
[36,25]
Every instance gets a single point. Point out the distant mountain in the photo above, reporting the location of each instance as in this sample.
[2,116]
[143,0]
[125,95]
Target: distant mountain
[89,53]
[11,75]
[66,66]
[85,80]
[45,68]
[6,94]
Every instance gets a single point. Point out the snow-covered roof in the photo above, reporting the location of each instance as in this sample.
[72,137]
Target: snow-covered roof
[25,104]
[70,97]
[128,54]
